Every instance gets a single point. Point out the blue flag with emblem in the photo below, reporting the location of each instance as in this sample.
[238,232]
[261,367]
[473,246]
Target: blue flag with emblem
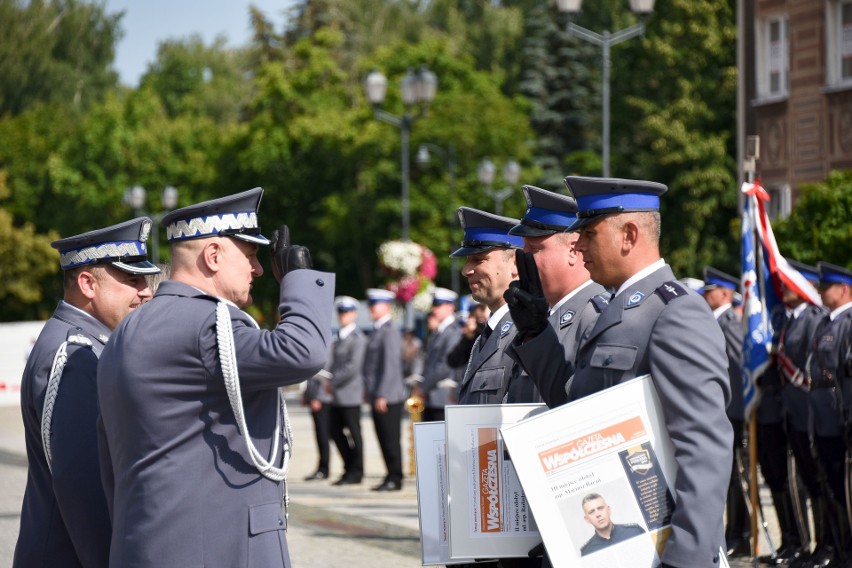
[757,337]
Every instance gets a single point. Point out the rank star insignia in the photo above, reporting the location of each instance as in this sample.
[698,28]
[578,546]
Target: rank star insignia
[671,289]
[505,329]
[635,298]
[103,338]
[566,318]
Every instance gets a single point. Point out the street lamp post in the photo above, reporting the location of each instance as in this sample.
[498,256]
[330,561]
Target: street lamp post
[605,41]
[417,89]
[136,196]
[486,172]
[449,156]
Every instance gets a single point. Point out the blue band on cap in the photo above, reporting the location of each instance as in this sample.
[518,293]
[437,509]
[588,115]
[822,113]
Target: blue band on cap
[722,283]
[629,201]
[810,275]
[550,217]
[491,234]
[115,250]
[835,278]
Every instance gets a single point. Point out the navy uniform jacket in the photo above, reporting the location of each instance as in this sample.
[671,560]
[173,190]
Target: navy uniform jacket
[619,533]
[548,358]
[490,366]
[797,335]
[732,329]
[186,493]
[436,368]
[659,327]
[383,365]
[347,362]
[64,518]
[830,369]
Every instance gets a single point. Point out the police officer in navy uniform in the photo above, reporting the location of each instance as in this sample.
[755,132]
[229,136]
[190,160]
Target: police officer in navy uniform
[783,441]
[64,517]
[489,253]
[385,388]
[196,430]
[829,365]
[346,382]
[655,325]
[598,513]
[437,384]
[553,300]
[719,289]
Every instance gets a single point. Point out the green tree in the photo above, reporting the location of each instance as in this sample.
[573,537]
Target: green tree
[675,125]
[55,51]
[559,81]
[819,228]
[191,78]
[25,260]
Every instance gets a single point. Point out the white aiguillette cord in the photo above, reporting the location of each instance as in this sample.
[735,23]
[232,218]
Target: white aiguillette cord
[228,360]
[52,391]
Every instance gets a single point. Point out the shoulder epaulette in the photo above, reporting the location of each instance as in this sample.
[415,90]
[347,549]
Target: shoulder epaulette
[668,291]
[600,302]
[75,337]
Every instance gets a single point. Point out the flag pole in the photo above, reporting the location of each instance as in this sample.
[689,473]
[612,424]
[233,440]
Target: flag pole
[752,152]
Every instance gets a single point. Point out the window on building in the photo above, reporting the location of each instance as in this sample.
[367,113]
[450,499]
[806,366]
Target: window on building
[773,56]
[839,45]
[779,205]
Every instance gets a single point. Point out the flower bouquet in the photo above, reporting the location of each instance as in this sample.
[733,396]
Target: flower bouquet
[411,269]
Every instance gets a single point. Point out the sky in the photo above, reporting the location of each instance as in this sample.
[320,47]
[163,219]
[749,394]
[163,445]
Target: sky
[146,23]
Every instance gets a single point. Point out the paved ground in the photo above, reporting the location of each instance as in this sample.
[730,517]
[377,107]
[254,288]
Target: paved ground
[329,526]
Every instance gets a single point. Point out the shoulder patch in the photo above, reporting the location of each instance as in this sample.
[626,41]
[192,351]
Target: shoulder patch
[566,318]
[668,291]
[600,302]
[635,299]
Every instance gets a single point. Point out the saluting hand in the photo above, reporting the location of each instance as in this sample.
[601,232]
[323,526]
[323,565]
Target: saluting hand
[287,257]
[525,298]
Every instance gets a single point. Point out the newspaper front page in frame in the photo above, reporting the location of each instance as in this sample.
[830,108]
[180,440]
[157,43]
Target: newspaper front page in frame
[597,473]
[430,447]
[489,514]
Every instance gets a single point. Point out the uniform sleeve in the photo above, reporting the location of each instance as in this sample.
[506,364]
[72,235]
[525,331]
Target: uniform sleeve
[460,353]
[543,359]
[689,368]
[76,468]
[734,346]
[298,346]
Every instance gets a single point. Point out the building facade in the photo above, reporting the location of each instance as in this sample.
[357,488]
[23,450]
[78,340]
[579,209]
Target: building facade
[798,91]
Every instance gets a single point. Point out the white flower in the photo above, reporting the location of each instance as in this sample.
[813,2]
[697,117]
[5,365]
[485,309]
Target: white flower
[422,301]
[401,256]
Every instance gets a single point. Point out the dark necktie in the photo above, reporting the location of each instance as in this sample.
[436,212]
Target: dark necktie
[486,333]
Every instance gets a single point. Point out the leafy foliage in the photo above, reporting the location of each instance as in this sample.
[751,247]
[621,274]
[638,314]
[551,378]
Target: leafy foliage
[55,51]
[819,228]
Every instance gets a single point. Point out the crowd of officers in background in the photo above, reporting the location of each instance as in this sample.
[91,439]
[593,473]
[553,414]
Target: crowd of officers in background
[802,430]
[565,302]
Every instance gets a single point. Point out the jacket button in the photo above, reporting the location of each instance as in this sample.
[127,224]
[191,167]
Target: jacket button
[607,361]
[320,282]
[280,522]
